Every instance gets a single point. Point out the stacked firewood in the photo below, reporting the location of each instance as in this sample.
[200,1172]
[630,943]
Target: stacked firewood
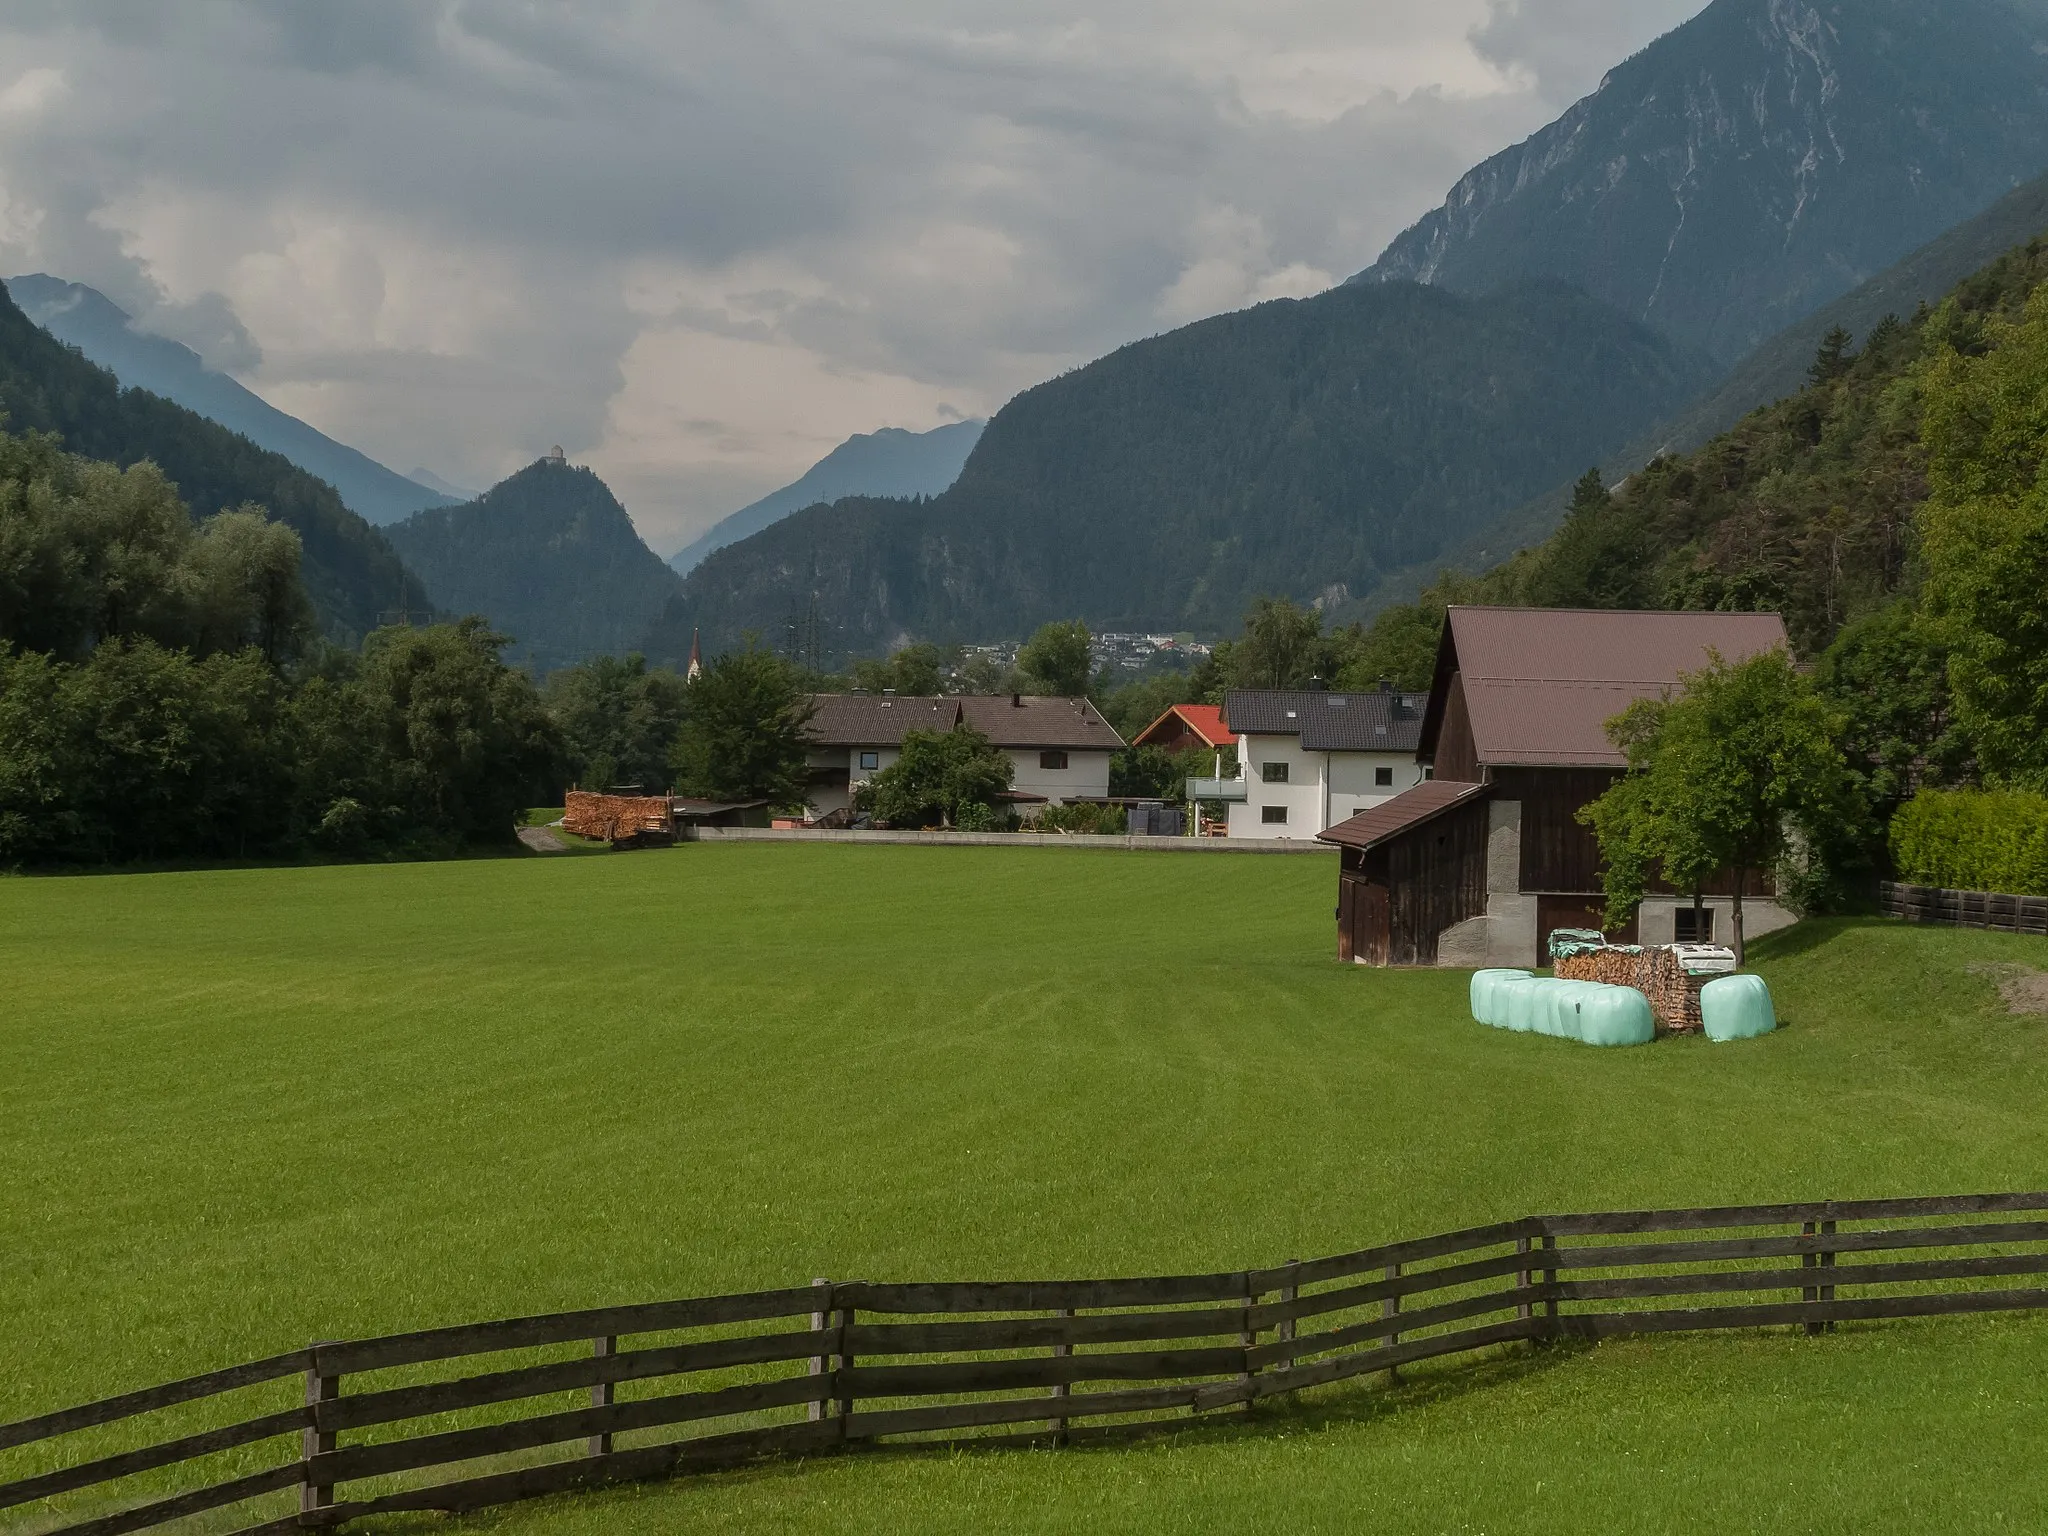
[615,818]
[1656,973]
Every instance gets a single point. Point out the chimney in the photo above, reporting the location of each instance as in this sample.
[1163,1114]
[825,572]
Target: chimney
[888,693]
[1386,685]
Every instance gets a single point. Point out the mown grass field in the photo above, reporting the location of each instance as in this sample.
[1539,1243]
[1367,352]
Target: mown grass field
[246,1109]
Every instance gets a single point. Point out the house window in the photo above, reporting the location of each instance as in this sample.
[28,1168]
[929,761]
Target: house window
[1273,815]
[1693,927]
[1274,773]
[871,759]
[1383,777]
[1052,760]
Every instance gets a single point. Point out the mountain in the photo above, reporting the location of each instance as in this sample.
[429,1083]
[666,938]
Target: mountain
[435,483]
[1756,163]
[351,573]
[1304,447]
[549,557]
[1807,507]
[891,462]
[88,320]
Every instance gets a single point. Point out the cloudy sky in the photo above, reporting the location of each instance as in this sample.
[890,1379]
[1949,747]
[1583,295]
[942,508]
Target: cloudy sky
[700,242]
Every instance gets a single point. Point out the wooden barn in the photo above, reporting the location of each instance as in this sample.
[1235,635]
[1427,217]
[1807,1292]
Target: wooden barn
[1480,863]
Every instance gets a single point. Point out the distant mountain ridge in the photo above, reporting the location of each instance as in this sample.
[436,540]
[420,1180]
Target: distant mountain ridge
[890,462]
[1761,160]
[88,320]
[1307,447]
[549,557]
[351,573]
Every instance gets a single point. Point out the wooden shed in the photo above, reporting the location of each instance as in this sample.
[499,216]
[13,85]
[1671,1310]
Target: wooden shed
[1411,869]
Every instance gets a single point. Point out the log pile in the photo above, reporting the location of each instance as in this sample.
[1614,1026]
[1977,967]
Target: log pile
[1674,996]
[618,818]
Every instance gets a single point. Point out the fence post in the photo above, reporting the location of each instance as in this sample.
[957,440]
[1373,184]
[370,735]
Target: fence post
[601,1397]
[1525,1312]
[844,1394]
[1550,1286]
[1391,1307]
[1247,1338]
[1810,1293]
[1061,1388]
[824,1302]
[313,1440]
[1827,1263]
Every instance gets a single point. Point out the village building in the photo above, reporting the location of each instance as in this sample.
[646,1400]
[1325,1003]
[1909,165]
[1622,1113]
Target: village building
[1059,748]
[1479,865]
[1309,760]
[1186,727]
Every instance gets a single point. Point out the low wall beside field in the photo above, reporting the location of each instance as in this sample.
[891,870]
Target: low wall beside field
[419,1421]
[1004,840]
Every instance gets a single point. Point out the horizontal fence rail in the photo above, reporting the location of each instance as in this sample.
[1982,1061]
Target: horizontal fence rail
[459,1418]
[1964,909]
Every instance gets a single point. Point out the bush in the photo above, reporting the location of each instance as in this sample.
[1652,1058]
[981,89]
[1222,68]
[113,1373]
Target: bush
[1974,840]
[1083,820]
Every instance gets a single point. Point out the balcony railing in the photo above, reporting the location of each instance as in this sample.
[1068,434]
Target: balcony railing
[1218,789]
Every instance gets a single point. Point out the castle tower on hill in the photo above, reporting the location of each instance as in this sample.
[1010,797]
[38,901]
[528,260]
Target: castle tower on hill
[555,455]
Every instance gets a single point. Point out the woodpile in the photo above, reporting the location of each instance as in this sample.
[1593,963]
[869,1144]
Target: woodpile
[618,818]
[1674,996]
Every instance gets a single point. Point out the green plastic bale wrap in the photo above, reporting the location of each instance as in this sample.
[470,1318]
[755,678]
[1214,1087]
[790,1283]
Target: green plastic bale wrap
[1610,1016]
[1518,1004]
[1553,1012]
[1737,1008]
[1488,1004]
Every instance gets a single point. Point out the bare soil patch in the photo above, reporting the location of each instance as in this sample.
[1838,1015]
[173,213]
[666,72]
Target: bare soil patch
[2024,989]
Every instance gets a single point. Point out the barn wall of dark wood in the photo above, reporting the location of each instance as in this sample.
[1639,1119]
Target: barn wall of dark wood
[1436,879]
[1557,853]
[1457,754]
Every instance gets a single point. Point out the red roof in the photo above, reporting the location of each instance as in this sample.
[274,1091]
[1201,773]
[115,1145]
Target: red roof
[1541,684]
[1205,720]
[1425,802]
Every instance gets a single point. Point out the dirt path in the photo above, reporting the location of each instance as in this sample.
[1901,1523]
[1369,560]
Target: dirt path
[542,840]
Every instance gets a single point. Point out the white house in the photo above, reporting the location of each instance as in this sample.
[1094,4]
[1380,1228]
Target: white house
[1311,760]
[1060,748]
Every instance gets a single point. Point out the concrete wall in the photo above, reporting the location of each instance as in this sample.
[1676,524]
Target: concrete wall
[1760,915]
[1006,840]
[1506,937]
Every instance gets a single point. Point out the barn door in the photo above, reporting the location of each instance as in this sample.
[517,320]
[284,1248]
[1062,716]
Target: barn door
[1361,921]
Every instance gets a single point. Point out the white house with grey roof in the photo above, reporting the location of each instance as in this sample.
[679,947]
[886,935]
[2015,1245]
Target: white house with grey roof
[1310,760]
[1059,748]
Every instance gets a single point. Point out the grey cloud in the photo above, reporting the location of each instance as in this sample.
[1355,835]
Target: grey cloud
[208,325]
[1567,45]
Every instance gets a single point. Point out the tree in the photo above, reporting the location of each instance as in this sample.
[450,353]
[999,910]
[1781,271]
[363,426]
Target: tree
[1282,646]
[1059,660]
[618,720]
[742,736]
[941,778]
[1833,360]
[916,669]
[1986,540]
[1719,779]
[245,586]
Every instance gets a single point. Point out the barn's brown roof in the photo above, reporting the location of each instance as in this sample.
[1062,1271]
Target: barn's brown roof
[1425,802]
[1021,720]
[1541,684]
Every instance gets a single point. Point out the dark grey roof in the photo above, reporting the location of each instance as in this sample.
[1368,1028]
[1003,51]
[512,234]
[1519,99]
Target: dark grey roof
[1330,722]
[1020,720]
[869,720]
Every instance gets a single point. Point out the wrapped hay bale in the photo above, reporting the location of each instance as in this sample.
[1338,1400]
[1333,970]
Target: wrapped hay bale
[1658,973]
[1488,1003]
[1614,1016]
[1737,1008]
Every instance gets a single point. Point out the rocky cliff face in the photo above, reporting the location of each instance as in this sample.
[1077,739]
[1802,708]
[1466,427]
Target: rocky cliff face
[1755,164]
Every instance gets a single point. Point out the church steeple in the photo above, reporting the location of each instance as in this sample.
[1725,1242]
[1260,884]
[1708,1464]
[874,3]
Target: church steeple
[696,667]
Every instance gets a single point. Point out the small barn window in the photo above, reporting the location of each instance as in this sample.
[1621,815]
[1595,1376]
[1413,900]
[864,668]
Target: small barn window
[1273,815]
[1383,777]
[1273,773]
[1052,760]
[1693,926]
[871,759]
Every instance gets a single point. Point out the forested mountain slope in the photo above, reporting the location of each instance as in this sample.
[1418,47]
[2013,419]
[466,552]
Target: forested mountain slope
[1302,447]
[351,574]
[1754,164]
[1809,507]
[891,462]
[88,320]
[549,557]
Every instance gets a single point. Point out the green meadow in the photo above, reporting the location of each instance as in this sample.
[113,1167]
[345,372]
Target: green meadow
[242,1110]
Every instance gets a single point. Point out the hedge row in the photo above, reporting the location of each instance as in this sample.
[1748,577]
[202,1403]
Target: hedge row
[1974,840]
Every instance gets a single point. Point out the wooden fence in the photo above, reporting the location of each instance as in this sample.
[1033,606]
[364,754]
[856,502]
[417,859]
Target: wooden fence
[457,1418]
[1964,909]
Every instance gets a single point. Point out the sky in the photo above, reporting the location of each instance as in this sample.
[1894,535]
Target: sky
[698,243]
